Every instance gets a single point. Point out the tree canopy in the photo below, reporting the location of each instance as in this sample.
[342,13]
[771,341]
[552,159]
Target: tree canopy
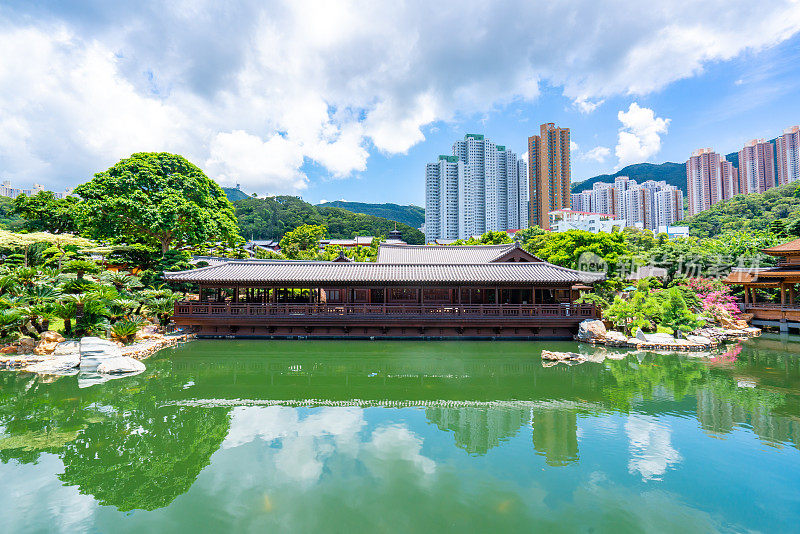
[44,212]
[158,199]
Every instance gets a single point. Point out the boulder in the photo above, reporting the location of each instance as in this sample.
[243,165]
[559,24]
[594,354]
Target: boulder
[566,357]
[122,364]
[52,337]
[699,340]
[591,330]
[95,350]
[655,339]
[67,347]
[9,349]
[55,366]
[25,345]
[616,339]
[45,347]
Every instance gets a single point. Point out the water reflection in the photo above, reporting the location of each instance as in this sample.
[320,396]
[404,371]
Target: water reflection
[141,442]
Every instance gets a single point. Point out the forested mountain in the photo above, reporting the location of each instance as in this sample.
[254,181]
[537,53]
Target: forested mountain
[672,173]
[271,217]
[234,193]
[755,211]
[410,215]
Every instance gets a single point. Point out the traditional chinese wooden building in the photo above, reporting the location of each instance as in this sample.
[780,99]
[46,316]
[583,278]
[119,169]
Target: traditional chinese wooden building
[784,277]
[491,291]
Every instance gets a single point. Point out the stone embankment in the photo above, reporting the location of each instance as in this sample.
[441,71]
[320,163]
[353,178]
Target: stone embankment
[53,355]
[700,343]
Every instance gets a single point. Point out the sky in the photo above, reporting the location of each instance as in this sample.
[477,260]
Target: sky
[350,99]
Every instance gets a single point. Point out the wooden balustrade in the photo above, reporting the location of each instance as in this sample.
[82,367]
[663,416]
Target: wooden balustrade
[184,309]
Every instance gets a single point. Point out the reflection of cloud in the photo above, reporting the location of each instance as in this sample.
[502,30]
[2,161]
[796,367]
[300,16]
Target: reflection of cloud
[650,446]
[399,443]
[305,445]
[38,500]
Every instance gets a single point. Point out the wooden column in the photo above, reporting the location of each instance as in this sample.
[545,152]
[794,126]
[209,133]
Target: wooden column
[783,294]
[746,296]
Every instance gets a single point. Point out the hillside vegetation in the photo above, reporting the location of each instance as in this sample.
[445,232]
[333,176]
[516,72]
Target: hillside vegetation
[672,173]
[234,194]
[755,211]
[272,217]
[411,215]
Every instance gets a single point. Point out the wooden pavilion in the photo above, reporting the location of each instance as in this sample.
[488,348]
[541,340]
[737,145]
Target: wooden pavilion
[784,276]
[490,291]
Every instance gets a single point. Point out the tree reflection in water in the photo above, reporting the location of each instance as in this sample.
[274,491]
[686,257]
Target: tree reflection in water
[140,442]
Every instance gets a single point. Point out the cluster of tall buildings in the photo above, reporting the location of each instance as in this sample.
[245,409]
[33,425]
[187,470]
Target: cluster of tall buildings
[757,167]
[13,192]
[650,204]
[484,187]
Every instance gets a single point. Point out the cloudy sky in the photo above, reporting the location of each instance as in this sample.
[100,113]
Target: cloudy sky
[350,99]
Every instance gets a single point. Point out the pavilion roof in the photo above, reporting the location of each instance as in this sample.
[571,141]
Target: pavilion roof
[447,254]
[792,248]
[244,272]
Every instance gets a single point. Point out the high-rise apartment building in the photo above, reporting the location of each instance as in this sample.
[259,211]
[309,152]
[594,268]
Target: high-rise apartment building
[648,205]
[756,167]
[787,147]
[710,178]
[550,177]
[482,187]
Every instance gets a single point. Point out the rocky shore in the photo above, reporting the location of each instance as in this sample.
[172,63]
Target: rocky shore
[703,339]
[53,355]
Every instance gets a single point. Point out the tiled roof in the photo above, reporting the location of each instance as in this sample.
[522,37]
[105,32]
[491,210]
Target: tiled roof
[442,254]
[326,272]
[790,248]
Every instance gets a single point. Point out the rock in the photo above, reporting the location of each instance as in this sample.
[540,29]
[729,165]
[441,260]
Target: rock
[616,339]
[655,339]
[9,349]
[56,365]
[635,341]
[45,347]
[122,364]
[94,351]
[591,330]
[699,340]
[565,357]
[52,337]
[67,347]
[26,345]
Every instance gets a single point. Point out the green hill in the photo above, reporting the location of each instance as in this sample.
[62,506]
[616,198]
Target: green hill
[755,211]
[271,217]
[672,173]
[410,215]
[234,193]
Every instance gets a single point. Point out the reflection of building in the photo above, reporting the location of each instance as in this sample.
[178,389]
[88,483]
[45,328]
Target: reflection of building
[478,429]
[555,435]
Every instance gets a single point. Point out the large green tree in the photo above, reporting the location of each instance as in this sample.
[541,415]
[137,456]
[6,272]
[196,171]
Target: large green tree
[160,200]
[44,212]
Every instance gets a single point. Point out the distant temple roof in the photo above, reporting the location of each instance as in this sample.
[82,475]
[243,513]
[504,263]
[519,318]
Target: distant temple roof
[451,254]
[792,248]
[247,271]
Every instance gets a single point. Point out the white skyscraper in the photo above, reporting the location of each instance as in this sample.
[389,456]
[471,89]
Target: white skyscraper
[482,187]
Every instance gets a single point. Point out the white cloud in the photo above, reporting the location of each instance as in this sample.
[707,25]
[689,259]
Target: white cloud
[587,106]
[309,81]
[574,148]
[639,137]
[598,154]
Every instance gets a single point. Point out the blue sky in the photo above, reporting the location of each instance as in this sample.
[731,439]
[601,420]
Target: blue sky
[351,99]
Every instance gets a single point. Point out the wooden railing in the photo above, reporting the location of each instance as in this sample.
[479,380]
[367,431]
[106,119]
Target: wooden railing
[185,309]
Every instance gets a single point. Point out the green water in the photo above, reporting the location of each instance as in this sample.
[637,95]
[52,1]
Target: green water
[338,436]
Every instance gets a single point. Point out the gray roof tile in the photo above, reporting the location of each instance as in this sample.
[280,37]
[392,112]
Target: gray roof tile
[442,254]
[367,273]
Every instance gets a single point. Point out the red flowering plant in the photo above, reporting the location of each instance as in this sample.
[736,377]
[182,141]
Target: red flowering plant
[714,298]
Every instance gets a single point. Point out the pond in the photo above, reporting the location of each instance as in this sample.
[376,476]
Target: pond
[405,436]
